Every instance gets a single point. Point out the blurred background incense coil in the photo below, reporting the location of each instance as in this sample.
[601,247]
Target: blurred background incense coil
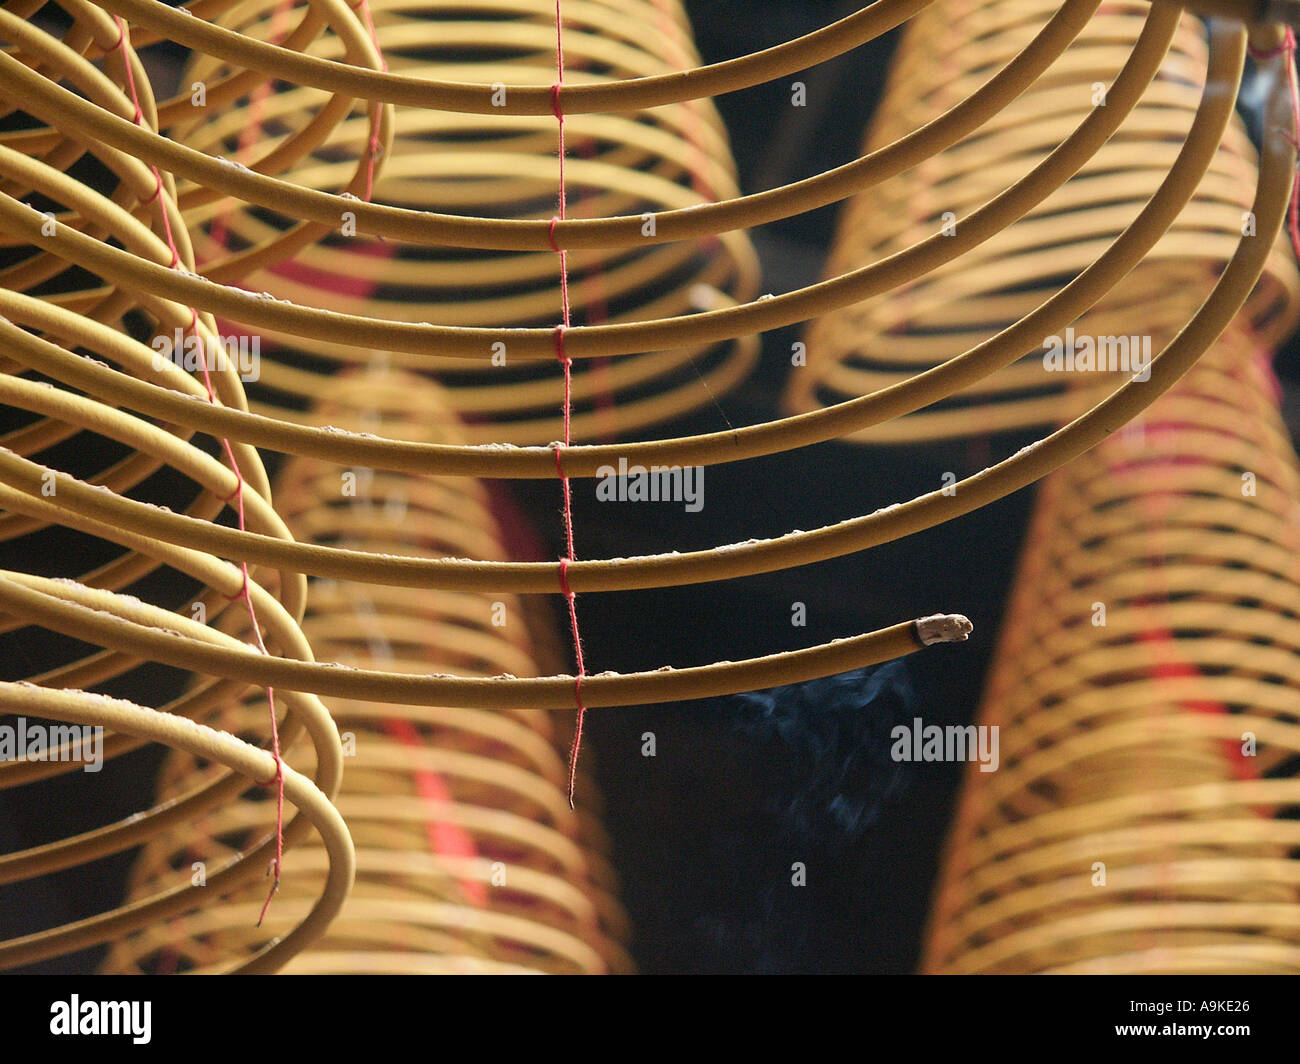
[947,52]
[496,166]
[469,859]
[1143,818]
[1145,686]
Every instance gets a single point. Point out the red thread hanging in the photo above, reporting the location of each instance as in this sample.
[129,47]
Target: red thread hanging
[237,498]
[1288,49]
[567,364]
[444,837]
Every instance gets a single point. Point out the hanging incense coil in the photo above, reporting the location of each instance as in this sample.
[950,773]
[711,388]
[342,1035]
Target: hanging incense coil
[1142,818]
[1143,688]
[241,764]
[469,857]
[945,55]
[297,214]
[247,309]
[91,568]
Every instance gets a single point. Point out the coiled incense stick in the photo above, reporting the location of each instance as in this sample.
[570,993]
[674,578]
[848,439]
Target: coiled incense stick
[392,211]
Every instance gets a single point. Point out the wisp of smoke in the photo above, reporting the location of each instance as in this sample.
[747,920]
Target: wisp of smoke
[828,744]
[833,735]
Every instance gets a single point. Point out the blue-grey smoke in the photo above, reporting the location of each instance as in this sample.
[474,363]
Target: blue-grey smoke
[827,745]
[834,736]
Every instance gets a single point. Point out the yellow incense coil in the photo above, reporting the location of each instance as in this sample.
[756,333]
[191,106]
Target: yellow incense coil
[243,309]
[946,54]
[1145,691]
[499,166]
[367,128]
[98,564]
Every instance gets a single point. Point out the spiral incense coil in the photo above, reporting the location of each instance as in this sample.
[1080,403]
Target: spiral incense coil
[499,166]
[1147,692]
[91,566]
[337,145]
[242,765]
[945,55]
[77,116]
[469,857]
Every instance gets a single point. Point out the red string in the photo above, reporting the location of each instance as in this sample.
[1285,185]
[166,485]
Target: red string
[597,305]
[238,496]
[443,836]
[567,363]
[372,151]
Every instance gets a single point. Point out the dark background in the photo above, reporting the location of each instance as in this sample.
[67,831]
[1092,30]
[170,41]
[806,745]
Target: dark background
[705,833]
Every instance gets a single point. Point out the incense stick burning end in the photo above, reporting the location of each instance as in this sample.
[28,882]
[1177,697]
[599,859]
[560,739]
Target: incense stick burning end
[942,628]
